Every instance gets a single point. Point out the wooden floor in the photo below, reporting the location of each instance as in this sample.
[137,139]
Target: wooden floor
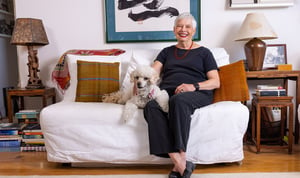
[35,163]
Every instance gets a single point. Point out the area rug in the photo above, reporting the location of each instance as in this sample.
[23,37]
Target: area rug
[221,175]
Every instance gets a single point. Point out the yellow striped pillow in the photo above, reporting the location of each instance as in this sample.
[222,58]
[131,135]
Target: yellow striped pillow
[96,79]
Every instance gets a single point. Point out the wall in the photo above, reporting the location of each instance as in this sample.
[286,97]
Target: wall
[79,24]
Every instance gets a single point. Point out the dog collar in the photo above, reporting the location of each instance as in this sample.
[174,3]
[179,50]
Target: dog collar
[151,94]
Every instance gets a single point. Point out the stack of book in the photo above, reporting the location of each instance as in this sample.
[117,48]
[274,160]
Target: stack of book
[32,138]
[270,90]
[9,137]
[27,116]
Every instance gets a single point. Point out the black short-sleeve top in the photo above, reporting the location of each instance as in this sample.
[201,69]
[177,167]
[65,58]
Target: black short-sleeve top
[190,69]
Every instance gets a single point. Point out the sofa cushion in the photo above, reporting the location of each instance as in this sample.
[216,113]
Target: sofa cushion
[96,79]
[233,81]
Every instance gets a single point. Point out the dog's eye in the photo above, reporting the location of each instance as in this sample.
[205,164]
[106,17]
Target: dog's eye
[136,77]
[146,78]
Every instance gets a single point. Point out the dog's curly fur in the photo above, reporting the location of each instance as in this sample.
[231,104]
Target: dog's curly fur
[144,88]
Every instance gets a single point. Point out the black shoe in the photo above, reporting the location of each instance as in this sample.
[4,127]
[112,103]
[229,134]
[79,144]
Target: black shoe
[174,174]
[189,169]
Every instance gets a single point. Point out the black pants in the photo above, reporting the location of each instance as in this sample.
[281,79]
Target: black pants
[169,132]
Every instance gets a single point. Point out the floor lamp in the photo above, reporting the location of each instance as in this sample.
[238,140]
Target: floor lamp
[254,29]
[30,32]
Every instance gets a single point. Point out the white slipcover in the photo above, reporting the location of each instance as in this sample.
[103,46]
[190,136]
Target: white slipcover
[78,132]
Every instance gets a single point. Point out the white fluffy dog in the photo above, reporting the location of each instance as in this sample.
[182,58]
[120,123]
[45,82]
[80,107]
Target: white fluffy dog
[144,88]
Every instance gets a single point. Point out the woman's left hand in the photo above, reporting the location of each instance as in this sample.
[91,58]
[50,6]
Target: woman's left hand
[184,88]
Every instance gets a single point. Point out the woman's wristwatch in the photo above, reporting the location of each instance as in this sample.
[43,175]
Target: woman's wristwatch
[197,86]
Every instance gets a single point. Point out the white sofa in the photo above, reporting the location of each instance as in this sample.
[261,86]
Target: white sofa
[82,132]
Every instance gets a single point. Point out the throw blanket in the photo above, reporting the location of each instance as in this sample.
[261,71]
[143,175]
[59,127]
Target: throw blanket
[61,74]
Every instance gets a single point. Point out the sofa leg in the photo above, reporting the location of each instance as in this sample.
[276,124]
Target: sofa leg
[66,164]
[240,163]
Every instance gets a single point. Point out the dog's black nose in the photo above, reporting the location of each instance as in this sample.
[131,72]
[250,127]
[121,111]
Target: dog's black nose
[139,85]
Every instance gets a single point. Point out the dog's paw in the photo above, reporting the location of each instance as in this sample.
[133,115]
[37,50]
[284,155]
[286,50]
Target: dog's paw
[126,116]
[129,111]
[165,108]
[163,100]
[115,97]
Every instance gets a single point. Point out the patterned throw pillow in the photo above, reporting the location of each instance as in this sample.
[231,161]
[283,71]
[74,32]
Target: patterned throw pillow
[96,79]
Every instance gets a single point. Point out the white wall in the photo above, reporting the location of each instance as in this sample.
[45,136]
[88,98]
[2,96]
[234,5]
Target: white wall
[79,24]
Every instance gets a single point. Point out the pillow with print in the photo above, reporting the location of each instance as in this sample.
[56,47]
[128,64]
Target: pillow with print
[94,79]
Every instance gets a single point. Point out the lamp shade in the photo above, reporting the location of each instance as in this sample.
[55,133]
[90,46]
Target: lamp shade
[29,31]
[255,25]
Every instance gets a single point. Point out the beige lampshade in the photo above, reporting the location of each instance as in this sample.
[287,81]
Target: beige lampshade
[255,25]
[29,31]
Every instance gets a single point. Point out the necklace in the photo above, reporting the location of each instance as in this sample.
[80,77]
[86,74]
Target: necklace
[186,53]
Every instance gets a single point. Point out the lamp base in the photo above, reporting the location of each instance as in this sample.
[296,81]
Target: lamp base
[34,82]
[255,50]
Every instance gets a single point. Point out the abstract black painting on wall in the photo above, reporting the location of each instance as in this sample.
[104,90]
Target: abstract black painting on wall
[146,20]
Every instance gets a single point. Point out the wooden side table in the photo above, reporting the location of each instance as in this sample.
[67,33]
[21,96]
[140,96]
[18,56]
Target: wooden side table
[272,101]
[45,93]
[293,75]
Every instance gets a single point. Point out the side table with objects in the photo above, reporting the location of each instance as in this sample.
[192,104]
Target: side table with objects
[259,103]
[20,93]
[285,76]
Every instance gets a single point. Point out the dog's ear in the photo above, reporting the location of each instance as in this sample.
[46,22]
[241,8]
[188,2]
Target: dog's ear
[154,77]
[132,74]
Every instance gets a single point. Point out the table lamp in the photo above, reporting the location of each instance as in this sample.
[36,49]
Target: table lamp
[254,29]
[30,32]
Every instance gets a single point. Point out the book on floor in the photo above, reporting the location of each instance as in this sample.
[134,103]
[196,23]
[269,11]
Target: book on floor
[32,128]
[10,149]
[10,143]
[28,120]
[11,126]
[10,137]
[23,114]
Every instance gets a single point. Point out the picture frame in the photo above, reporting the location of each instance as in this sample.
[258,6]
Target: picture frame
[123,24]
[275,54]
[260,3]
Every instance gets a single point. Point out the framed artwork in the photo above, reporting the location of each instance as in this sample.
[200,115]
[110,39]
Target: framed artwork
[146,21]
[275,54]
[260,3]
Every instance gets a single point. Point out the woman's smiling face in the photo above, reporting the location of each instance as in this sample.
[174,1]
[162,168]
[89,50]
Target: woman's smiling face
[184,30]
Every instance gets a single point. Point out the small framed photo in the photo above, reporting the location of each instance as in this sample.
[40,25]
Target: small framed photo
[275,54]
[146,21]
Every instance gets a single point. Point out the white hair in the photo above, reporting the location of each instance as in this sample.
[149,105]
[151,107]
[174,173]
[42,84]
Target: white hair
[186,15]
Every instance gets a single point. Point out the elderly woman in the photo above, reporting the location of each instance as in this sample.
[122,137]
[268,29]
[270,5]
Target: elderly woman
[189,74]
